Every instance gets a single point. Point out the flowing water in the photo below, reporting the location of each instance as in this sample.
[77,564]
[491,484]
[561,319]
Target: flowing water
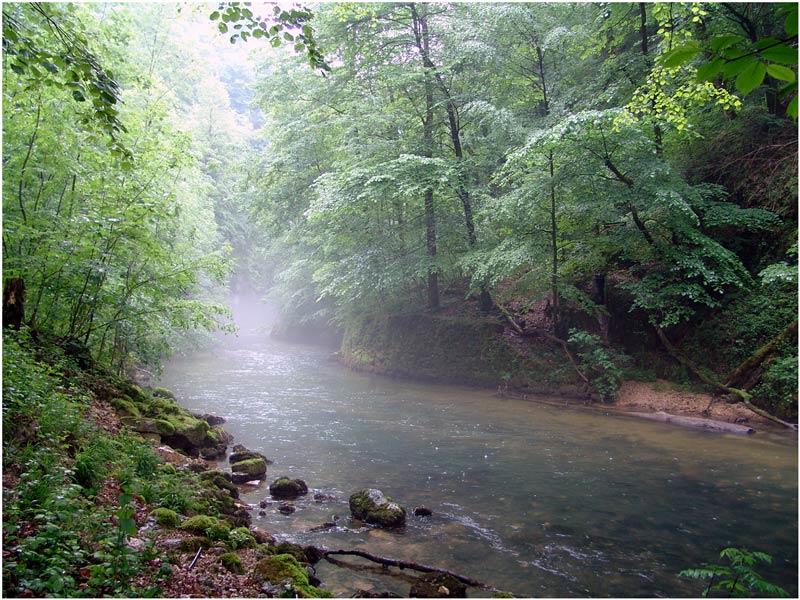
[533,498]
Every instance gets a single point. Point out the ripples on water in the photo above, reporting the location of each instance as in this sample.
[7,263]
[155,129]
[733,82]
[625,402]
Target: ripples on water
[531,498]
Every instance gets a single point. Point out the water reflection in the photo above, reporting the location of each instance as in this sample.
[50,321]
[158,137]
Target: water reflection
[536,499]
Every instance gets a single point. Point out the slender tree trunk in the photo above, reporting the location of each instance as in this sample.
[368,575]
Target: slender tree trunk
[420,25]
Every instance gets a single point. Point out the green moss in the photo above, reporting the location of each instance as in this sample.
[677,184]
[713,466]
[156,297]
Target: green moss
[125,407]
[241,538]
[160,392]
[232,563]
[194,543]
[284,568]
[166,517]
[252,466]
[199,524]
[219,532]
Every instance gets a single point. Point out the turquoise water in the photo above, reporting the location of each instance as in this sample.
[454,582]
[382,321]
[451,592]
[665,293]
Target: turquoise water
[532,498]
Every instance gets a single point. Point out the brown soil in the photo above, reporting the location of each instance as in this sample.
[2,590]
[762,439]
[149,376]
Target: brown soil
[640,396]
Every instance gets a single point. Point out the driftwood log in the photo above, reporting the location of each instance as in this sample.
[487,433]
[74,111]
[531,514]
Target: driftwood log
[697,423]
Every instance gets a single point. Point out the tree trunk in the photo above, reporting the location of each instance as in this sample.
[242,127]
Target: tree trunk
[743,395]
[14,302]
[420,26]
[739,374]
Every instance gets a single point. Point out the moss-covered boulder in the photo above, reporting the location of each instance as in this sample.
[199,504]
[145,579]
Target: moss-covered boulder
[199,524]
[240,454]
[124,406]
[214,478]
[283,569]
[255,468]
[232,563]
[160,392]
[241,538]
[372,506]
[166,517]
[287,488]
[146,425]
[438,585]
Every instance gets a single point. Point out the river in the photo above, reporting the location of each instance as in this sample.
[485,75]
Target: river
[533,498]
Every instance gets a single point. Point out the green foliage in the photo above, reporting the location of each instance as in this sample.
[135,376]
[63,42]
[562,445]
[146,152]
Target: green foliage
[240,538]
[600,364]
[232,563]
[166,517]
[290,25]
[738,579]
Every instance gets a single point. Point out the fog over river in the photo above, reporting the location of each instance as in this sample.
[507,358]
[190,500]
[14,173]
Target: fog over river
[533,498]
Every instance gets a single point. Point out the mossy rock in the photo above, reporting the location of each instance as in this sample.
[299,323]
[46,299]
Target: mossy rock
[219,480]
[193,544]
[254,467]
[232,563]
[199,524]
[284,569]
[219,532]
[151,426]
[287,488]
[160,392]
[241,454]
[240,538]
[166,517]
[372,506]
[292,549]
[164,406]
[125,407]
[438,585]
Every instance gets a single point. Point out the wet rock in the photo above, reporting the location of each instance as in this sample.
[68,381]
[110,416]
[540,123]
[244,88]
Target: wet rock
[372,506]
[374,593]
[262,537]
[240,454]
[319,497]
[262,513]
[286,509]
[254,468]
[210,419]
[286,488]
[263,504]
[438,585]
[422,511]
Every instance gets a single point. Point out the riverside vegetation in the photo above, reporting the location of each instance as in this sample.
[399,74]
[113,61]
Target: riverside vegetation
[531,196]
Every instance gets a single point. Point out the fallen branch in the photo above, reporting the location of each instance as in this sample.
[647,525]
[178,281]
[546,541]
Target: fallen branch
[760,355]
[402,564]
[194,560]
[571,358]
[744,396]
[514,325]
[696,423]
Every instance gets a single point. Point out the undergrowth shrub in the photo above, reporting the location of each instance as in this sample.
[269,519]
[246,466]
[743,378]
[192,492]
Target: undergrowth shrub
[600,364]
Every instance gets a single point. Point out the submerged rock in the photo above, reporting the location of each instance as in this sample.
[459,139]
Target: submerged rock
[372,506]
[287,488]
[438,585]
[422,511]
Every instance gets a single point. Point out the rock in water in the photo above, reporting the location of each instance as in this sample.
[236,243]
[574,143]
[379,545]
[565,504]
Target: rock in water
[438,585]
[286,488]
[372,506]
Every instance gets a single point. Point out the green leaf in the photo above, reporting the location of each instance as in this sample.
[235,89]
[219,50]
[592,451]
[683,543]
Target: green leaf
[791,110]
[724,41]
[223,28]
[707,71]
[783,54]
[734,67]
[767,42]
[790,24]
[781,72]
[680,55]
[751,77]
[78,96]
[214,15]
